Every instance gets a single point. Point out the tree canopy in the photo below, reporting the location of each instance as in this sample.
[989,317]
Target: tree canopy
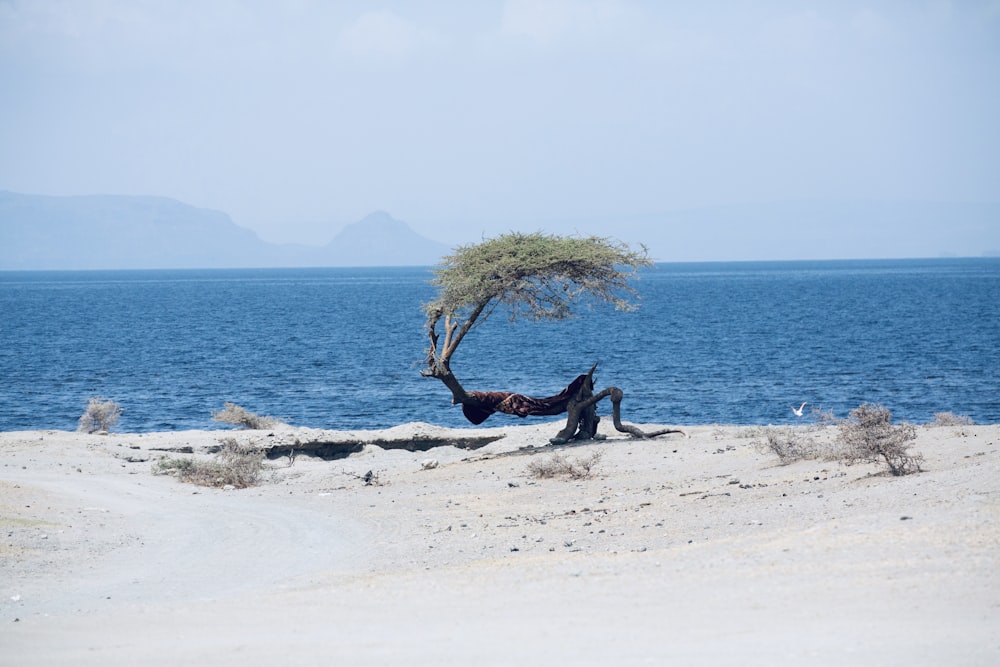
[537,276]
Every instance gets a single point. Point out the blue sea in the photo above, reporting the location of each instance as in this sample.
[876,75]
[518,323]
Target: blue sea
[734,343]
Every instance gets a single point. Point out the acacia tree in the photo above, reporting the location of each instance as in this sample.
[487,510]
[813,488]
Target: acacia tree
[537,277]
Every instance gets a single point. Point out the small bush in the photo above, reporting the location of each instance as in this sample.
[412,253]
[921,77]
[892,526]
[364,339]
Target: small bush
[787,444]
[951,419]
[822,417]
[559,466]
[235,465]
[176,467]
[869,436]
[238,416]
[100,415]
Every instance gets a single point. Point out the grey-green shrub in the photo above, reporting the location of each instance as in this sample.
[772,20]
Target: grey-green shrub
[234,465]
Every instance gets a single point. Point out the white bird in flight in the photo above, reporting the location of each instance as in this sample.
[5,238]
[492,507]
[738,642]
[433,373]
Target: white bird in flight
[798,412]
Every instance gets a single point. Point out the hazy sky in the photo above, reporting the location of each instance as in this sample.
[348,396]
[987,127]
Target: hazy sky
[472,118]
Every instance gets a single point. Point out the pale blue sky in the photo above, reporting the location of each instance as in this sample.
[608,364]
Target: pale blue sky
[473,118]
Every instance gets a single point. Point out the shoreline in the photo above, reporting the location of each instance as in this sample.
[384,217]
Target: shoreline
[697,549]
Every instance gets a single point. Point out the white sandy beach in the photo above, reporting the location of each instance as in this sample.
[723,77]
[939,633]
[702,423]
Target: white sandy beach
[696,551]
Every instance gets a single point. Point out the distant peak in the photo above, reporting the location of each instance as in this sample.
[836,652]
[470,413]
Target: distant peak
[377,217]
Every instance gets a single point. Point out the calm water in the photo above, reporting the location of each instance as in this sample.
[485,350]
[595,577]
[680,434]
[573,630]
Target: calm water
[341,348]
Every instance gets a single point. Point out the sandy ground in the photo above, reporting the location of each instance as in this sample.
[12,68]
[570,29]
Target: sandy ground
[698,550]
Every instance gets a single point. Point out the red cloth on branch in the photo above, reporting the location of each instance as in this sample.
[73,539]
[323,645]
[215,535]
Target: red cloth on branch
[486,403]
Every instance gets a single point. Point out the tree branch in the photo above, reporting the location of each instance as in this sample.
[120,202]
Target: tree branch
[453,339]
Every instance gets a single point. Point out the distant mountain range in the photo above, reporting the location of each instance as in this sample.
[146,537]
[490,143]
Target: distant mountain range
[120,232]
[124,232]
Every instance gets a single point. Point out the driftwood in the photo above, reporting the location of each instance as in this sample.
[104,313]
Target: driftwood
[577,400]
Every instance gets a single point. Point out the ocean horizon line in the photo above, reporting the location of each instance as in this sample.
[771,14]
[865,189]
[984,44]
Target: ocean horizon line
[404,267]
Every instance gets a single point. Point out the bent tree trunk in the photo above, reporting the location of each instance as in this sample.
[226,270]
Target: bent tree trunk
[582,419]
[578,401]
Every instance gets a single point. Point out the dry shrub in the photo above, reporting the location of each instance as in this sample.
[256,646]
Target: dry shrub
[822,417]
[787,444]
[558,465]
[100,415]
[235,465]
[951,419]
[868,436]
[239,416]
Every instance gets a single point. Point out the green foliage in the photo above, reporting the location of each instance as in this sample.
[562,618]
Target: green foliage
[869,436]
[100,415]
[537,276]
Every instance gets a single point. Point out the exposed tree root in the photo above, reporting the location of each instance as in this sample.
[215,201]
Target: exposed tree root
[582,419]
